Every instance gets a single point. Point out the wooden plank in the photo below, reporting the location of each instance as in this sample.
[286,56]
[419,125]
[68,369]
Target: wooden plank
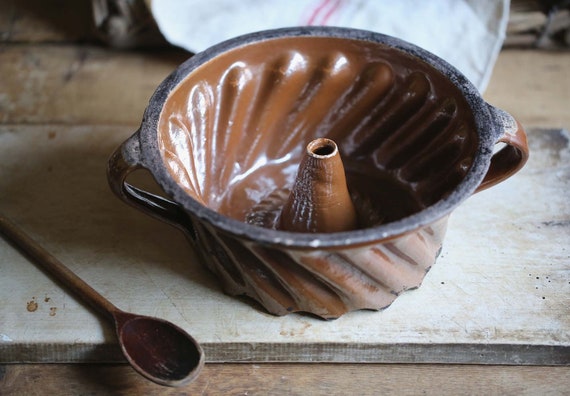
[79,85]
[534,86]
[46,21]
[292,379]
[498,294]
[89,85]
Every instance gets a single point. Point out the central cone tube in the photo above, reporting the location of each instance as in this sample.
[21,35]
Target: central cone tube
[319,200]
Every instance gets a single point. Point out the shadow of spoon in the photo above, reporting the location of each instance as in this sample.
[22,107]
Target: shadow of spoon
[157,349]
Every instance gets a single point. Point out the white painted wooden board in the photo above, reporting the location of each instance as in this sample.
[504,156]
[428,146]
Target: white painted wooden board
[499,293]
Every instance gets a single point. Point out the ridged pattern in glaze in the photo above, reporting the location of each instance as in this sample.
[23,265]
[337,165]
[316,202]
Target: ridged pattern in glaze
[235,129]
[237,132]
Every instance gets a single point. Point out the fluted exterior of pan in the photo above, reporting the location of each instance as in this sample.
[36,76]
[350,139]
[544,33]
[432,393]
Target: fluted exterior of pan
[324,283]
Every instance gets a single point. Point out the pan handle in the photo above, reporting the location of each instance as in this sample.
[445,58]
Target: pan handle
[126,159]
[512,157]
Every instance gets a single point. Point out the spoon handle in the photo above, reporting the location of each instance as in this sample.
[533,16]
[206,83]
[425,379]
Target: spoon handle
[40,256]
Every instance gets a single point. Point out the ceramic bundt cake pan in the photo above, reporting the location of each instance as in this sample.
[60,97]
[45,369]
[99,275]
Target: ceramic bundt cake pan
[224,136]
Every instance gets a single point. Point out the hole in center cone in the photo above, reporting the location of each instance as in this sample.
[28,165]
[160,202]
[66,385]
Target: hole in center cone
[322,147]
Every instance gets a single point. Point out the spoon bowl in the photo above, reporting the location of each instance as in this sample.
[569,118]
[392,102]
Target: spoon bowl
[159,350]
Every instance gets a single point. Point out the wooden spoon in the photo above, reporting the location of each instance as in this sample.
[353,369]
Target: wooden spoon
[155,348]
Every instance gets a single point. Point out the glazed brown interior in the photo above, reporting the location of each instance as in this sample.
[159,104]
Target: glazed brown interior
[234,130]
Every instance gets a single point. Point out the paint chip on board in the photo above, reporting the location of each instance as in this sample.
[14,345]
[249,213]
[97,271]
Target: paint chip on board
[5,338]
[32,305]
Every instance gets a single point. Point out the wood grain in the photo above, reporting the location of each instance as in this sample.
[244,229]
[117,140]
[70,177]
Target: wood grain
[79,84]
[292,379]
[534,86]
[37,21]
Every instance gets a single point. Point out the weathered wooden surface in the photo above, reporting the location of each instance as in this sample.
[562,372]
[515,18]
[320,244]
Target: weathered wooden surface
[533,85]
[291,380]
[498,294]
[79,85]
[37,21]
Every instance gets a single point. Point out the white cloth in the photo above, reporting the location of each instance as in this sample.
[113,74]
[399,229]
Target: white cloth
[466,33]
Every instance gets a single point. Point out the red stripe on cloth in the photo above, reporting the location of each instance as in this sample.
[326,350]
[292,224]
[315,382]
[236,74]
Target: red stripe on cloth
[316,12]
[330,12]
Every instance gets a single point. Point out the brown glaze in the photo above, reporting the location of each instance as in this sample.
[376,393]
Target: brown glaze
[234,131]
